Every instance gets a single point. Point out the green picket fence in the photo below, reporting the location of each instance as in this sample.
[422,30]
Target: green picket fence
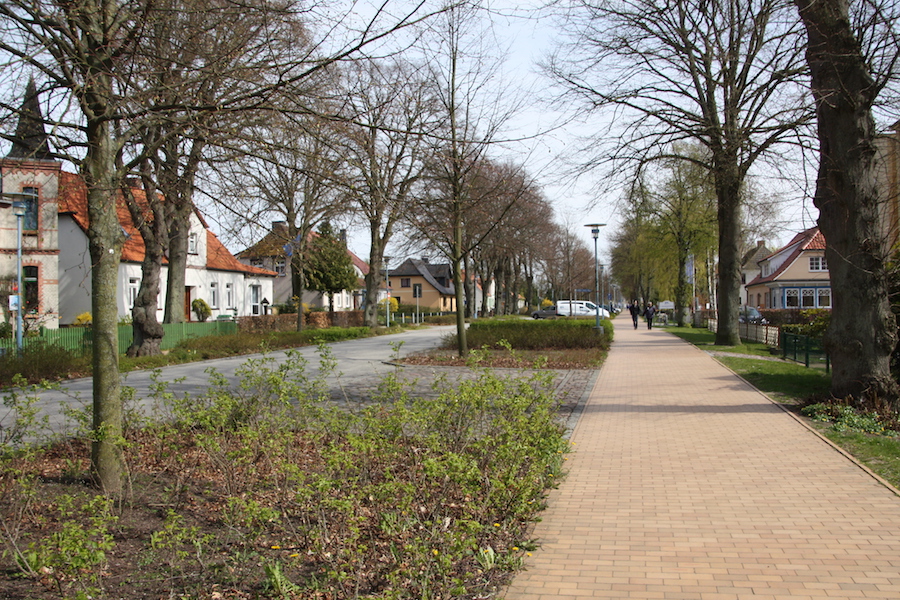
[79,339]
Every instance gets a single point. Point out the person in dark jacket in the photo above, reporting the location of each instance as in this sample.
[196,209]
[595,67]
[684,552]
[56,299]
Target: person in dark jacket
[649,312]
[635,309]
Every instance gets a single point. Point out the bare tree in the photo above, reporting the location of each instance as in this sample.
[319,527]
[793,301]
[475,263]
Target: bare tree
[724,73]
[390,111]
[289,169]
[472,117]
[845,85]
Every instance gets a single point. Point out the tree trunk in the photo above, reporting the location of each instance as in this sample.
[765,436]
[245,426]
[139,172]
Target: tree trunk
[728,299]
[373,282]
[179,230]
[863,331]
[147,331]
[105,241]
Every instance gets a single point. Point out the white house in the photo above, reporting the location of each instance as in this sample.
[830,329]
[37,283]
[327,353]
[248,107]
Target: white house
[55,258]
[213,274]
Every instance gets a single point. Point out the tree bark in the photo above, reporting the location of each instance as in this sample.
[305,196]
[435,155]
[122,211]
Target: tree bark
[863,331]
[105,241]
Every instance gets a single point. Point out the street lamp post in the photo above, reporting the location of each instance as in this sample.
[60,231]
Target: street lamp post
[595,233]
[387,288]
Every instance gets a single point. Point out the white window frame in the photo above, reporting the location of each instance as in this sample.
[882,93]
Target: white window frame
[229,295]
[281,266]
[817,264]
[808,298]
[31,220]
[134,285]
[792,293]
[193,244]
[823,293]
[214,294]
[255,300]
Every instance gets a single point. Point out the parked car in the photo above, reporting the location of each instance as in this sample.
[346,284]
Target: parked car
[570,308]
[545,313]
[750,314]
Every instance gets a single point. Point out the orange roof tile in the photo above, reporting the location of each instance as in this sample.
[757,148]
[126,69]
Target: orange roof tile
[73,201]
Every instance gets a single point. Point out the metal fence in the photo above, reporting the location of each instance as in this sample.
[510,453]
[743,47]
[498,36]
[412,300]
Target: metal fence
[79,339]
[805,349]
[798,348]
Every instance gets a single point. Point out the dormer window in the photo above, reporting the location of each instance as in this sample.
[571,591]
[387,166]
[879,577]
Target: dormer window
[817,264]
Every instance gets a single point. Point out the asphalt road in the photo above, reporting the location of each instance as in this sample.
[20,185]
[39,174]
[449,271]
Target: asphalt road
[360,365]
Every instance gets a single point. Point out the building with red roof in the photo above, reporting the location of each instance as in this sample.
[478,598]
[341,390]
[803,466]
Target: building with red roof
[795,276]
[55,258]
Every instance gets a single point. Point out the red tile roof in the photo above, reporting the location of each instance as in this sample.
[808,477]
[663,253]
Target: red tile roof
[73,201]
[811,239]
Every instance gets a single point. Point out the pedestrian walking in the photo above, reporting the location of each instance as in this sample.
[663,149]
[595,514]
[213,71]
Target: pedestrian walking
[649,312]
[635,309]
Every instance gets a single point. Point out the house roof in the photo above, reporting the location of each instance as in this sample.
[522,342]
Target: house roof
[430,272]
[811,239]
[272,245]
[755,254]
[72,200]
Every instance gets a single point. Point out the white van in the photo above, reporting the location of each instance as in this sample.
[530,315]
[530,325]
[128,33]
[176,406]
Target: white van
[579,308]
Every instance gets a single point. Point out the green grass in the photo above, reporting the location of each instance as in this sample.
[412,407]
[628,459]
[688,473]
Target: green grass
[706,339]
[784,382]
[879,453]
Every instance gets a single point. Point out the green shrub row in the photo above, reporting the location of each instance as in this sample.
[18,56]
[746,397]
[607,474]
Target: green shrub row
[524,334]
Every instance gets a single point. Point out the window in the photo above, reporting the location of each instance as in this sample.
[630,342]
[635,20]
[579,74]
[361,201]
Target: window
[281,266]
[192,244]
[134,285]
[255,296]
[792,298]
[405,282]
[214,294]
[30,222]
[229,295]
[30,285]
[824,297]
[808,298]
[256,262]
[817,263]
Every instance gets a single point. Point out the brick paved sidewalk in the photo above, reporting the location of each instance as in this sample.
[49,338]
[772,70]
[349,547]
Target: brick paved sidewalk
[686,483]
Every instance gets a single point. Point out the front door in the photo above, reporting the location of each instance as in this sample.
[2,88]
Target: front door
[187,304]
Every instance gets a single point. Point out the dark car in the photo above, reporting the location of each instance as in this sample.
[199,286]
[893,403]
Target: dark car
[545,313]
[751,315]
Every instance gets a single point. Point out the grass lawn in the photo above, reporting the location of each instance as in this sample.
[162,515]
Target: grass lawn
[794,386]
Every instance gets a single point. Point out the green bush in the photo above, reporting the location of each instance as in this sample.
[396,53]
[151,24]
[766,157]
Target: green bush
[40,361]
[440,319]
[201,309]
[539,334]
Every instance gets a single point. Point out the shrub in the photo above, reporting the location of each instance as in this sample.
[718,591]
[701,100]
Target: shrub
[539,334]
[40,361]
[83,320]
[201,309]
